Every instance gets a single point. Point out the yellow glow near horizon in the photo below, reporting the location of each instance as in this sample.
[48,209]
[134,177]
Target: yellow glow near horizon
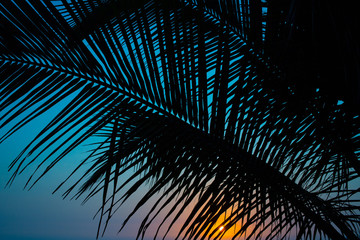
[221,228]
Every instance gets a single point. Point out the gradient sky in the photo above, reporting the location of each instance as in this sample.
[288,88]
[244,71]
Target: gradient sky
[37,214]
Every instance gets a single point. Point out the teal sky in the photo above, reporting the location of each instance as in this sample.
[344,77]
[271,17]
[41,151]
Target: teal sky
[37,214]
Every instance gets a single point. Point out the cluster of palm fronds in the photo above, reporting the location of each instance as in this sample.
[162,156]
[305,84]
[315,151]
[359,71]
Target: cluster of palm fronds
[246,108]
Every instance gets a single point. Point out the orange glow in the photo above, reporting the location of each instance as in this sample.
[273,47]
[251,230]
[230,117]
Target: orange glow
[227,232]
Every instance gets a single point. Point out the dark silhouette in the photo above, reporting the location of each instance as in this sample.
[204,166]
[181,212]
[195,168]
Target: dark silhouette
[249,108]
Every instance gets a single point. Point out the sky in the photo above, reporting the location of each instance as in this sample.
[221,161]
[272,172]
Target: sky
[39,214]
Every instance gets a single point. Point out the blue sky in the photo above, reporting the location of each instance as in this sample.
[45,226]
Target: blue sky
[37,214]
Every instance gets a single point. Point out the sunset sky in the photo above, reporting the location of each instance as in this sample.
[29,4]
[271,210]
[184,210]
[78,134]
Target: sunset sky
[215,119]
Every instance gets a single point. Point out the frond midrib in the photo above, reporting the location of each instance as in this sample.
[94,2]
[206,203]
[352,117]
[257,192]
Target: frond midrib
[96,80]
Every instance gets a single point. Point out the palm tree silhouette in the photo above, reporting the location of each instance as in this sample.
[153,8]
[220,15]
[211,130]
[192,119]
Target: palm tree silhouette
[248,109]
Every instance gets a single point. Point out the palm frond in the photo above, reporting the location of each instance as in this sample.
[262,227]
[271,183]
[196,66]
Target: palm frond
[190,95]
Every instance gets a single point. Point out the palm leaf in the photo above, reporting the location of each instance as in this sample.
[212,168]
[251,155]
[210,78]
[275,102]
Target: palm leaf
[192,97]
